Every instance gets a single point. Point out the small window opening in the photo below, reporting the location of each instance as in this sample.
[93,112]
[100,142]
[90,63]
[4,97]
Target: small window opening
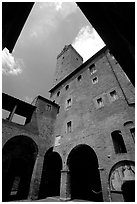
[100,102]
[79,77]
[58,93]
[114,95]
[68,103]
[48,108]
[69,127]
[118,142]
[92,69]
[94,80]
[67,87]
[15,186]
[57,140]
[132,130]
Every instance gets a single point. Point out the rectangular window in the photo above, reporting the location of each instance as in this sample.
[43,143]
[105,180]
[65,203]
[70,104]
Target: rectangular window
[57,140]
[95,80]
[100,102]
[68,103]
[92,69]
[69,127]
[113,95]
[79,77]
[48,107]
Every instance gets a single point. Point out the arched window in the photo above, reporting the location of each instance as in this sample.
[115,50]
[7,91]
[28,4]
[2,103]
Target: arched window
[118,142]
[130,126]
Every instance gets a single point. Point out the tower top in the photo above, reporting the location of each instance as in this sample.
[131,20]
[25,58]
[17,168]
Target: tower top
[67,61]
[66,47]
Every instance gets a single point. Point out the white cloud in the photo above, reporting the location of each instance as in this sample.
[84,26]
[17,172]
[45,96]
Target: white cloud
[67,8]
[58,5]
[46,16]
[10,65]
[87,42]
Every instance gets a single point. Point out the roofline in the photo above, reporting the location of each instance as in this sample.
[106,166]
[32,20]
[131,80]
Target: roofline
[17,99]
[48,101]
[79,68]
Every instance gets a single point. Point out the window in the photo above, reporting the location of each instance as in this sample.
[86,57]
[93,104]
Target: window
[58,93]
[67,87]
[69,103]
[79,77]
[95,80]
[100,102]
[57,140]
[118,142]
[113,95]
[92,69]
[15,186]
[48,108]
[129,125]
[69,127]
[132,131]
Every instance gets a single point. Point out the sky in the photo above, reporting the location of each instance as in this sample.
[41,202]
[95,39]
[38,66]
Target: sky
[29,70]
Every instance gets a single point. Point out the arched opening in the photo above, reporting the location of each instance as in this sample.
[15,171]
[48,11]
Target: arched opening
[118,142]
[18,158]
[51,175]
[85,181]
[122,181]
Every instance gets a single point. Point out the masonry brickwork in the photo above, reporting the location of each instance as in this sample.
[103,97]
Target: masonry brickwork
[89,102]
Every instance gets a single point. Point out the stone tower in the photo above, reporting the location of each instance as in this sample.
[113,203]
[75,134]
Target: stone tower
[94,130]
[67,61]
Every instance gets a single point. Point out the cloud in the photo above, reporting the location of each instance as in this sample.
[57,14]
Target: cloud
[46,16]
[87,42]
[66,8]
[10,65]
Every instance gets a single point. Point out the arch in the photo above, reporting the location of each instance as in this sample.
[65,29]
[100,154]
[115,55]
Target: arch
[122,179]
[85,181]
[129,122]
[129,125]
[18,158]
[51,175]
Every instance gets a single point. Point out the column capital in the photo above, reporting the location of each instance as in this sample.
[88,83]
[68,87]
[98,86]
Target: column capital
[66,169]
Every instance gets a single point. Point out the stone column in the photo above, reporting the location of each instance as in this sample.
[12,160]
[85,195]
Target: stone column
[36,178]
[104,185]
[65,193]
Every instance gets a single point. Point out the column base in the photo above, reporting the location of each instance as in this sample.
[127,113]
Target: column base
[65,199]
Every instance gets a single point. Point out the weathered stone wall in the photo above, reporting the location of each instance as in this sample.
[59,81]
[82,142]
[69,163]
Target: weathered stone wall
[91,125]
[67,62]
